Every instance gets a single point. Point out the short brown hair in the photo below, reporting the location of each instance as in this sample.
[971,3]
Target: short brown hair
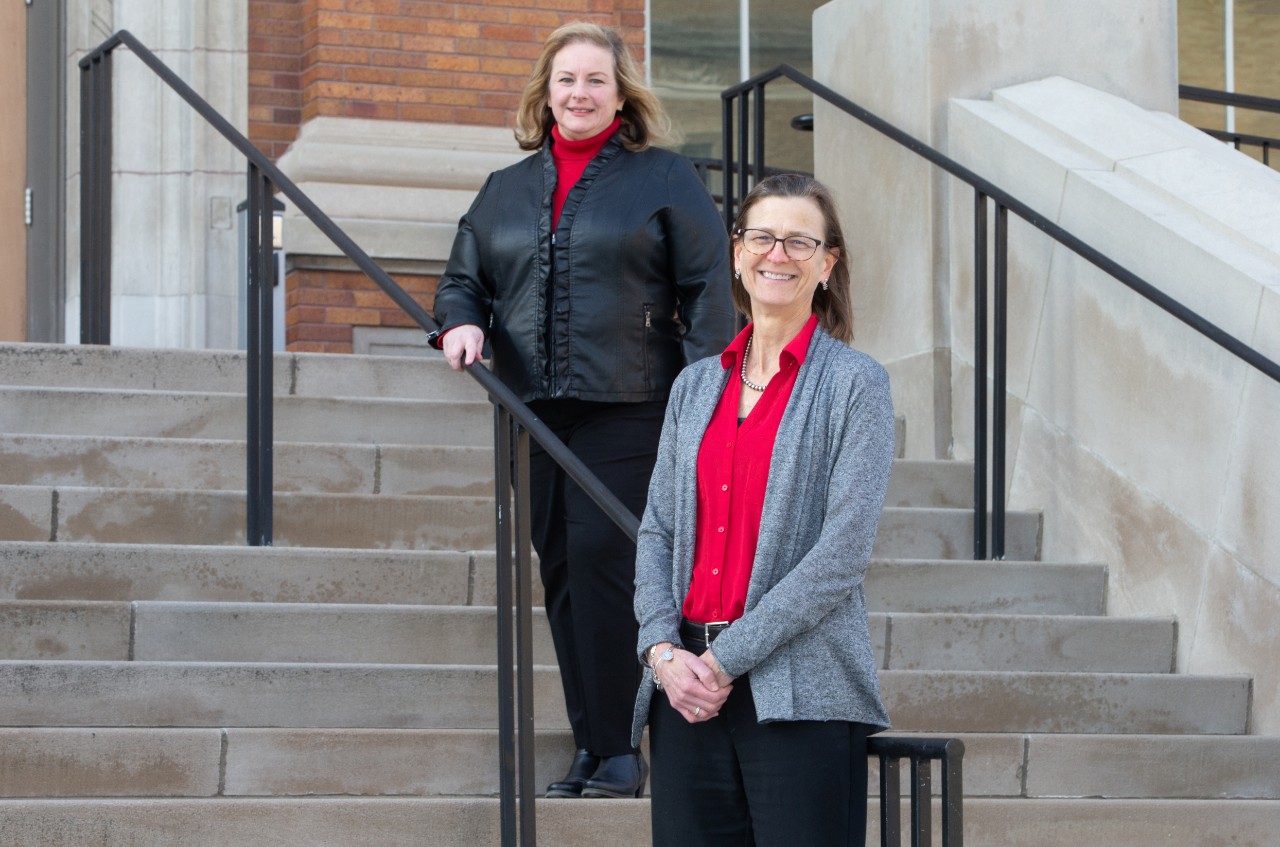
[832,305]
[643,121]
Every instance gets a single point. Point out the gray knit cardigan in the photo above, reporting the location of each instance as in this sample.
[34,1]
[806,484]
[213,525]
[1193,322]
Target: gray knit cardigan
[803,636]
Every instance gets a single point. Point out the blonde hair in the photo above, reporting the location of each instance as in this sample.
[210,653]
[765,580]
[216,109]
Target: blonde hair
[644,122]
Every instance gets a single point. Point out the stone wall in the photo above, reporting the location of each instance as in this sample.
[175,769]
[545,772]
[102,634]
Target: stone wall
[1148,447]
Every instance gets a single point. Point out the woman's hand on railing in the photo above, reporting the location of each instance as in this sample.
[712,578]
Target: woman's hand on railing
[462,345]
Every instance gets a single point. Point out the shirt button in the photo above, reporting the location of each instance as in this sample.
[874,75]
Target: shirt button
[715,571]
[724,488]
[730,444]
[721,529]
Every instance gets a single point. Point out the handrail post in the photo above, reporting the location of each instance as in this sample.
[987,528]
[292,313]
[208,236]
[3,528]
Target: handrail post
[953,794]
[524,634]
[726,173]
[921,800]
[890,802]
[516,757]
[980,375]
[744,146]
[95,198]
[260,424]
[506,656]
[921,752]
[999,393]
[757,122]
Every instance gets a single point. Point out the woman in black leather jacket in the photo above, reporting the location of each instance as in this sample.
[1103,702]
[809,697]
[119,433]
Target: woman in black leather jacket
[597,268]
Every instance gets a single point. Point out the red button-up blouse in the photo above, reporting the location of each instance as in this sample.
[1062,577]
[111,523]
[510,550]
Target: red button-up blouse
[733,470]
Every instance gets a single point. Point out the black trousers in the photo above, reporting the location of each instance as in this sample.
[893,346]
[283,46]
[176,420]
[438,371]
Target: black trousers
[734,782]
[588,564]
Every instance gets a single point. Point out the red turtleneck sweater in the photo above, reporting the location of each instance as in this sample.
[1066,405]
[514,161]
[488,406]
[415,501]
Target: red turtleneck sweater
[571,159]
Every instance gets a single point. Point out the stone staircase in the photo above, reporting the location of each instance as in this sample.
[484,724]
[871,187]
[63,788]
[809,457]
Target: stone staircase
[162,684]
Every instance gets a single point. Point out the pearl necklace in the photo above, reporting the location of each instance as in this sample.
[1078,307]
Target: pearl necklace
[745,355]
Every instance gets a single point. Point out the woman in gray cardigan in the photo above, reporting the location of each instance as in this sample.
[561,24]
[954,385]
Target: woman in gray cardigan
[760,686]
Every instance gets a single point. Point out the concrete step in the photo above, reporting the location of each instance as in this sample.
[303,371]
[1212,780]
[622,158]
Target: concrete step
[69,693]
[1115,766]
[985,587]
[127,462]
[123,516]
[935,533]
[297,632]
[931,482]
[1132,823]
[1070,644]
[170,631]
[70,571]
[256,762]
[294,374]
[213,464]
[75,571]
[466,822]
[985,701]
[167,516]
[160,414]
[262,762]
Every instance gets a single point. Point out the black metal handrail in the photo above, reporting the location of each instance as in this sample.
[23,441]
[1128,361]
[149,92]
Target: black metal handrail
[920,753]
[705,166]
[751,146]
[514,423]
[1240,101]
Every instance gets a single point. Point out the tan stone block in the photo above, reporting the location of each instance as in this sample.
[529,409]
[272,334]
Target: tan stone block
[26,513]
[1152,766]
[281,763]
[64,630]
[105,762]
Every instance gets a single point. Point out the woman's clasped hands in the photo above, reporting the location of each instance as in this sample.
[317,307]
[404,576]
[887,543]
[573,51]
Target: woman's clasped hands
[696,686]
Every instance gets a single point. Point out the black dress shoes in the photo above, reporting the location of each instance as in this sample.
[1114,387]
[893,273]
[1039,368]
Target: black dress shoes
[618,776]
[583,766]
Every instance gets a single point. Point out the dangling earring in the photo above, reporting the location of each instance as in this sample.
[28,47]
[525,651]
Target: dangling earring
[824,285]
[737,273]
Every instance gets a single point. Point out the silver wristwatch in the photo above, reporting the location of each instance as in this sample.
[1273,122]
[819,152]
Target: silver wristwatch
[667,655]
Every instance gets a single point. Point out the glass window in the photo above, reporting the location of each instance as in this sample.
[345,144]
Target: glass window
[1202,56]
[696,52]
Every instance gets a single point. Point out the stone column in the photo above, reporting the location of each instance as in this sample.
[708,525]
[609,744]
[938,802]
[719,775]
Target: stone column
[176,182]
[904,61]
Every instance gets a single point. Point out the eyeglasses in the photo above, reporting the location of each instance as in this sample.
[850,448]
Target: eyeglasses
[761,241]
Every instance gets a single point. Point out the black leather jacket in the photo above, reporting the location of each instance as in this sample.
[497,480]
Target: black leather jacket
[633,286]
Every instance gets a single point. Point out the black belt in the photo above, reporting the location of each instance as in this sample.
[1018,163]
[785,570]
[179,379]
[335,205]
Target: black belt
[698,636]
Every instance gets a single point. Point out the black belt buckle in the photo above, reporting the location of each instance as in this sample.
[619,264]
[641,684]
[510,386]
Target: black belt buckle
[704,632]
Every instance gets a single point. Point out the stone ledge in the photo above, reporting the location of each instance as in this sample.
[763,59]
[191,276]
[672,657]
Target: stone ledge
[397,188]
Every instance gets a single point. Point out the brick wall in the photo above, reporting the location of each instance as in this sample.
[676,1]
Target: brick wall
[414,60]
[323,307]
[275,65]
[407,60]
[404,60]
